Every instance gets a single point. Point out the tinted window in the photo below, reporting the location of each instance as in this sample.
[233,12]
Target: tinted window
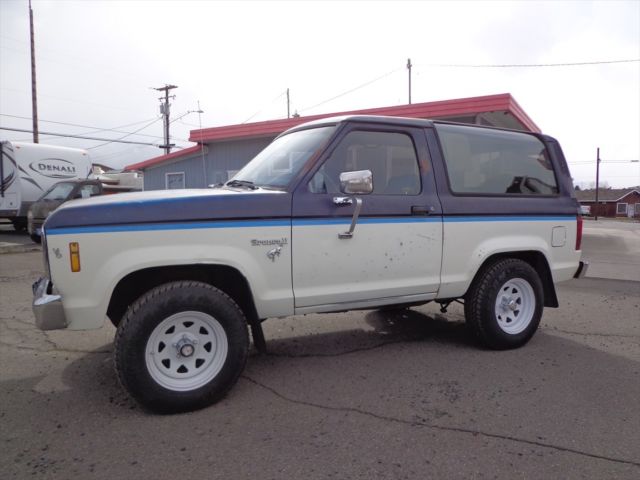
[282,160]
[391,158]
[496,162]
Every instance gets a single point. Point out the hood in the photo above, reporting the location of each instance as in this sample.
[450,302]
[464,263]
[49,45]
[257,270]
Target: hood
[170,206]
[42,208]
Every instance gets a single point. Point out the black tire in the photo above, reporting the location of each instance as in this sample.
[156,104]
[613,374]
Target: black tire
[137,367]
[36,238]
[510,324]
[19,224]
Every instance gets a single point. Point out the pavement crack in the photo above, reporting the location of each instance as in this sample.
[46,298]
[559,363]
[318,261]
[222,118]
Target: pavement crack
[339,354]
[433,426]
[587,334]
[54,349]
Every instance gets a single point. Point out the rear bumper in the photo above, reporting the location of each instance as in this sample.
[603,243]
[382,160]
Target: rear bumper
[47,306]
[582,270]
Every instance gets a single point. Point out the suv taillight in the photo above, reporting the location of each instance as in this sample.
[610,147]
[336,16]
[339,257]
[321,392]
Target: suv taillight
[579,232]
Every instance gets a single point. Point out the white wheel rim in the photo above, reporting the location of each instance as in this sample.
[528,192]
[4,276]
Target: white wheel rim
[515,306]
[186,351]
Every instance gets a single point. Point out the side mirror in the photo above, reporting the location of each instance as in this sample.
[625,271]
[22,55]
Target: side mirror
[356,183]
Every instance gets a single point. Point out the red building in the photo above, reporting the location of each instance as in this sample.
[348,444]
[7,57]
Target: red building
[612,202]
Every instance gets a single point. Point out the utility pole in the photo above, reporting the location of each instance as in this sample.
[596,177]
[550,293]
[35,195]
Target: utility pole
[34,97]
[409,70]
[288,110]
[204,162]
[165,108]
[597,182]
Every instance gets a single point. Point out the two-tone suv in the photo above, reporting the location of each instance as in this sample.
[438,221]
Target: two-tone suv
[344,213]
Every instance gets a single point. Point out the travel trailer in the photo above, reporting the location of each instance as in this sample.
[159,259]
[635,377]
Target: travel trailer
[27,170]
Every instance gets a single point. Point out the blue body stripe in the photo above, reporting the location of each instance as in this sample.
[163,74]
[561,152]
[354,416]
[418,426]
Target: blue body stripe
[304,222]
[145,227]
[298,223]
[510,218]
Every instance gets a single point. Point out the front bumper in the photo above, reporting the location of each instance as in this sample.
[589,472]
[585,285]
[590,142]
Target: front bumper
[582,270]
[47,306]
[34,227]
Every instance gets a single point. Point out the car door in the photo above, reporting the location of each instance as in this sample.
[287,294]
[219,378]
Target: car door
[394,254]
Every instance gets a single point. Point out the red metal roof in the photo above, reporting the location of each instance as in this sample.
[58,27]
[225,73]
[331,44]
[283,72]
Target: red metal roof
[442,108]
[163,158]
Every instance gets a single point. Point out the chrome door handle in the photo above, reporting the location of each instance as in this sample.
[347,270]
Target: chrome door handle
[342,201]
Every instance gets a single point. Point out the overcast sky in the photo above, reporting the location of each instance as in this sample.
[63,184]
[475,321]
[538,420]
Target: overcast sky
[97,61]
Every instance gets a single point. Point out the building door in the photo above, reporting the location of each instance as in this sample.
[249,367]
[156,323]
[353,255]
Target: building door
[395,251]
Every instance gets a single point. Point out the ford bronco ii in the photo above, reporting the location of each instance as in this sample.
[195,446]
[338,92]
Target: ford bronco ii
[344,213]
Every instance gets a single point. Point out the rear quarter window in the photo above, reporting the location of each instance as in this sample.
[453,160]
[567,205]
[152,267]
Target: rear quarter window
[496,162]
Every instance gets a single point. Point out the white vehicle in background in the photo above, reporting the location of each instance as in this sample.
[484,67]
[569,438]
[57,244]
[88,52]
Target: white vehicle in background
[27,170]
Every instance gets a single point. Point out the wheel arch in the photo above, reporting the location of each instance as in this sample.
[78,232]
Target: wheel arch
[538,262]
[226,278]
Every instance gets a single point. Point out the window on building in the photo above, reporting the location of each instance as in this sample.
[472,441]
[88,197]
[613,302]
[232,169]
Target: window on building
[174,180]
[390,156]
[621,208]
[496,162]
[637,212]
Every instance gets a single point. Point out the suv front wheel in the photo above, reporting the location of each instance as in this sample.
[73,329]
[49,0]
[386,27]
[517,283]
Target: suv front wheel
[504,305]
[181,347]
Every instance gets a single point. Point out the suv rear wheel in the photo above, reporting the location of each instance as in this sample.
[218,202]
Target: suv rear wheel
[504,305]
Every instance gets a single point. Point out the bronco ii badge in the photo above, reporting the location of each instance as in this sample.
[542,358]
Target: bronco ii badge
[276,241]
[274,252]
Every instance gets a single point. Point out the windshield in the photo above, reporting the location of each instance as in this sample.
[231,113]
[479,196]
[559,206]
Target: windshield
[281,161]
[60,191]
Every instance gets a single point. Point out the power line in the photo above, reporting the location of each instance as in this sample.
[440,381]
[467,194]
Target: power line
[67,135]
[93,129]
[188,124]
[269,104]
[68,100]
[353,89]
[591,162]
[125,136]
[530,65]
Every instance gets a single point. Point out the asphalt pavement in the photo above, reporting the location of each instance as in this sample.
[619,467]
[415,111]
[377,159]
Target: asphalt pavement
[367,395]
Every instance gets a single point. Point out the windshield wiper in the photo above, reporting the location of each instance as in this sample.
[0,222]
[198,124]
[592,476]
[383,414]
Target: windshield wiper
[241,183]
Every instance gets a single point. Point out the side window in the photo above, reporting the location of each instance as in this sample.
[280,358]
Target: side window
[88,191]
[496,162]
[174,180]
[391,158]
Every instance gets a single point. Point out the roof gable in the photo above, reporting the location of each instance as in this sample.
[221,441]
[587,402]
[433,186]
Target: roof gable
[605,194]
